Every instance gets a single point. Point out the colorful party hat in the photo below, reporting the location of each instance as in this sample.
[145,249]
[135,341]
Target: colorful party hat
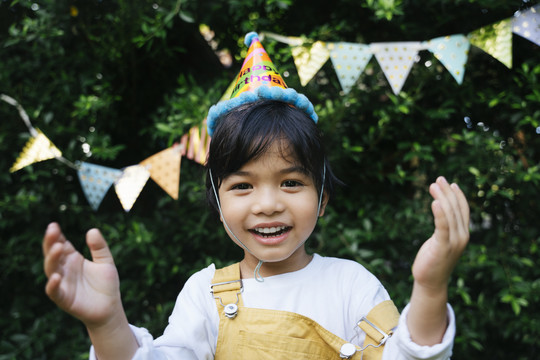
[257,69]
[258,79]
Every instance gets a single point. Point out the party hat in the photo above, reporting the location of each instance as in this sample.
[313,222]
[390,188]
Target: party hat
[258,79]
[257,69]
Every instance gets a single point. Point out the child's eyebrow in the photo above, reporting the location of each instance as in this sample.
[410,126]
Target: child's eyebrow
[294,169]
[240,173]
[289,170]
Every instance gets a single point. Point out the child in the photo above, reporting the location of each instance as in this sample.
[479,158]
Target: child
[269,181]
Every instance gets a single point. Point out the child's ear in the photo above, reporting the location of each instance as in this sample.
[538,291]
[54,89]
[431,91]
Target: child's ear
[325,198]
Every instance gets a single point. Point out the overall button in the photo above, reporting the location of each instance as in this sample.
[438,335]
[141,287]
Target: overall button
[231,310]
[347,351]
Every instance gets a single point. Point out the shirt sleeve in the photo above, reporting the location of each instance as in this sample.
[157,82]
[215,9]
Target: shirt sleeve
[191,333]
[401,347]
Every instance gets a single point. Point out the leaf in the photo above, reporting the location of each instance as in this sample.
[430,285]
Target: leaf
[474,171]
[186,17]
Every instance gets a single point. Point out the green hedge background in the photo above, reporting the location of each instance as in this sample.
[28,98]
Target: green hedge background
[130,77]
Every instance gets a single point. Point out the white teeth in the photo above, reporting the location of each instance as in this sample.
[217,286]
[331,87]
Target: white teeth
[270,230]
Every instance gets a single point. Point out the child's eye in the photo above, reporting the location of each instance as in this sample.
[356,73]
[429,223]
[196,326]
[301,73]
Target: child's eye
[291,183]
[241,186]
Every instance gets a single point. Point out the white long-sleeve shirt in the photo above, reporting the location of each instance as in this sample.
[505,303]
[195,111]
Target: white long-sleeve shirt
[334,292]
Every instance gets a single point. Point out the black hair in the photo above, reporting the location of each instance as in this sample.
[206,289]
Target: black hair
[248,131]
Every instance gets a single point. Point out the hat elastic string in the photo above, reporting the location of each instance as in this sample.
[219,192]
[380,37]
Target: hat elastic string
[256,273]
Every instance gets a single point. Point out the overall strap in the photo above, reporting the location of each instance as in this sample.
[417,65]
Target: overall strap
[378,325]
[227,286]
[240,335]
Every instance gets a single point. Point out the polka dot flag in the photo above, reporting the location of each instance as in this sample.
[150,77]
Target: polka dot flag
[396,60]
[527,24]
[130,184]
[349,60]
[164,168]
[452,51]
[38,148]
[496,40]
[308,61]
[96,181]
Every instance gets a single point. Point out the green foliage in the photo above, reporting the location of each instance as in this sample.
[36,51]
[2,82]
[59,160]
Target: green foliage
[115,82]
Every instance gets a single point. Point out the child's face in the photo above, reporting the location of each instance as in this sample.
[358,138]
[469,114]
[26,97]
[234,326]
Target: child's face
[270,204]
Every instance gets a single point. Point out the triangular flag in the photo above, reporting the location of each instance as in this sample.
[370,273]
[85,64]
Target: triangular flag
[396,60]
[164,168]
[96,181]
[527,24]
[194,146]
[37,148]
[452,51]
[130,184]
[496,40]
[309,60]
[349,60]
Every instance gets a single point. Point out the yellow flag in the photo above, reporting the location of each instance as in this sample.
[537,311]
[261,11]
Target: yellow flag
[309,60]
[38,148]
[164,168]
[496,40]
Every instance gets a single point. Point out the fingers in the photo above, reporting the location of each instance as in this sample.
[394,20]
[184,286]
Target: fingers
[463,204]
[98,247]
[56,257]
[52,259]
[441,224]
[54,265]
[55,249]
[52,289]
[451,211]
[53,234]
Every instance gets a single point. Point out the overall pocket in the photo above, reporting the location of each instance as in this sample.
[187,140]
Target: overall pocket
[256,346]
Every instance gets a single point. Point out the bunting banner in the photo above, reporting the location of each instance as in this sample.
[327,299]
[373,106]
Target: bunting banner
[38,148]
[527,24]
[130,184]
[309,60]
[349,60]
[164,169]
[396,60]
[96,181]
[496,40]
[452,51]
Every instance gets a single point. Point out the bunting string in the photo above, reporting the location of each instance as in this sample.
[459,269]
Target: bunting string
[397,58]
[349,61]
[22,113]
[96,180]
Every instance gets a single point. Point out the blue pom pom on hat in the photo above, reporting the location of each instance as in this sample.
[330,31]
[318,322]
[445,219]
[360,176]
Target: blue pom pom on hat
[249,37]
[258,81]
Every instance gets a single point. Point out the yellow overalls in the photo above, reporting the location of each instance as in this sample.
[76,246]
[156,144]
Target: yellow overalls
[258,334]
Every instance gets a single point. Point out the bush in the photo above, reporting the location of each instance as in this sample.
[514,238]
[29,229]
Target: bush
[129,78]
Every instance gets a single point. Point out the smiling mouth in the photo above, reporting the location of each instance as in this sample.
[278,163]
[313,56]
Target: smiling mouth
[270,231]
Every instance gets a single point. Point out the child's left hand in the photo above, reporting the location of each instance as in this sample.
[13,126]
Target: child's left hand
[438,256]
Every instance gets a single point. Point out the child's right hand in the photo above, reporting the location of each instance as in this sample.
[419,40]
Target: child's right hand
[88,290]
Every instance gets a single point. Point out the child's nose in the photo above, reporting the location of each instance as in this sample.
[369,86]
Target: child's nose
[267,202]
